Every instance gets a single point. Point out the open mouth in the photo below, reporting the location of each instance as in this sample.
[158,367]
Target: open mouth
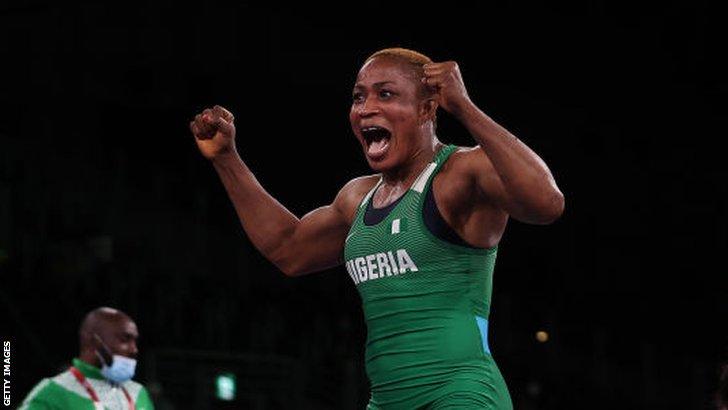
[377,140]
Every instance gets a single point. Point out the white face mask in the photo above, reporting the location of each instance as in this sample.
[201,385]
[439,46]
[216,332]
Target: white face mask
[122,369]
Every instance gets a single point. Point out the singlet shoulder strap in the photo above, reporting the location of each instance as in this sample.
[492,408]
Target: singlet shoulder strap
[370,193]
[433,167]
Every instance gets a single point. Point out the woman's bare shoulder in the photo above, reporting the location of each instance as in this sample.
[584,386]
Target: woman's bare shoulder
[353,192]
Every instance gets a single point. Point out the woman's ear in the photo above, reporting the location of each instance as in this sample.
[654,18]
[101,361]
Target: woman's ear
[428,110]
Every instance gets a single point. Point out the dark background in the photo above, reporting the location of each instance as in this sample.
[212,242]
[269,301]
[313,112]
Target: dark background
[105,200]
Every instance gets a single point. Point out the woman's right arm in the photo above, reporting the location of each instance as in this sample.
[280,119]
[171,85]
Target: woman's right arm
[296,246]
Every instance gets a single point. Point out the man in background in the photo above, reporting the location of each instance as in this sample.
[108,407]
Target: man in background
[100,376]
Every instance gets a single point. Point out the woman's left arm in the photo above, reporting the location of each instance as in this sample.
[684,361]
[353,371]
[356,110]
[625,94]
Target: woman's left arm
[524,186]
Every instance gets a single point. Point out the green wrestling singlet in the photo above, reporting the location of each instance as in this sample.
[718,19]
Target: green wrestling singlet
[426,303]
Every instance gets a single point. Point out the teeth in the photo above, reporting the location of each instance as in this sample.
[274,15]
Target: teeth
[374,133]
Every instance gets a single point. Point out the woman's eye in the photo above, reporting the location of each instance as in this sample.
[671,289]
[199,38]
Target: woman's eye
[385,94]
[357,97]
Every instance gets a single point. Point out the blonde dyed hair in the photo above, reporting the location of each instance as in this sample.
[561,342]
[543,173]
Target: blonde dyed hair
[404,54]
[414,59]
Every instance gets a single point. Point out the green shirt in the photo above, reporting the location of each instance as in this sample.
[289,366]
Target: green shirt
[426,301]
[65,392]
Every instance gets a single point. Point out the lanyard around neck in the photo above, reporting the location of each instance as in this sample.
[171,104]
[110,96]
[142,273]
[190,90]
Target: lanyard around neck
[91,392]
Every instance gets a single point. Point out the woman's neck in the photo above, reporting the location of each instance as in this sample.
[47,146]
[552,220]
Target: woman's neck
[405,174]
[397,181]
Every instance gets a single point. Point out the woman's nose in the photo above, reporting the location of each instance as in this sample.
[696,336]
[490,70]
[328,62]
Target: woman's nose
[368,108]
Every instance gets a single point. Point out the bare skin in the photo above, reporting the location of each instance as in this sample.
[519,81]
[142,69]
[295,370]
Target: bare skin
[476,191]
[107,328]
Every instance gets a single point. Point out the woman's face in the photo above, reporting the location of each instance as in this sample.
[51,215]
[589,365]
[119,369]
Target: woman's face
[387,113]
